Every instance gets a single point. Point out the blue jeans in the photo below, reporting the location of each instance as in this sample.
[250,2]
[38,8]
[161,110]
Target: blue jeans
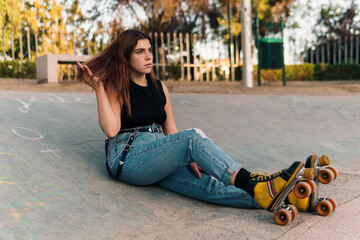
[164,160]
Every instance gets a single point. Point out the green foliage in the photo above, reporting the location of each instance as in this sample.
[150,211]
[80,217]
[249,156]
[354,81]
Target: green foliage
[317,72]
[337,72]
[16,69]
[173,71]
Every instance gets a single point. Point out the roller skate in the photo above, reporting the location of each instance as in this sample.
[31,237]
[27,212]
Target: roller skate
[324,174]
[270,191]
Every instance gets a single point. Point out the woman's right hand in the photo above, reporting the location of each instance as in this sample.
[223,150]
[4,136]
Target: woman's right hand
[88,77]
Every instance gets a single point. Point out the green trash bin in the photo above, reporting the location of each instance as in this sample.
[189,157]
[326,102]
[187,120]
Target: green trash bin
[271,53]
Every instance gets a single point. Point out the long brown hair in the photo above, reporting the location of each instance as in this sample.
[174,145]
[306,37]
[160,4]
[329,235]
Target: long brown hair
[111,65]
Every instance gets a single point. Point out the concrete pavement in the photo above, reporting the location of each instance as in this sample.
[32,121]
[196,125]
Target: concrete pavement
[53,182]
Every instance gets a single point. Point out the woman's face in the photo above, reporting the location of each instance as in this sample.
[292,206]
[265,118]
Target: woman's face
[141,58]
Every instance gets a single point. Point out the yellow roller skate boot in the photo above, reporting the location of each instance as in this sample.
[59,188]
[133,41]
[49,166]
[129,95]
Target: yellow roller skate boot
[271,190]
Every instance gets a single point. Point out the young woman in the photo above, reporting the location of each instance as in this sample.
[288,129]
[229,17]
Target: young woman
[144,145]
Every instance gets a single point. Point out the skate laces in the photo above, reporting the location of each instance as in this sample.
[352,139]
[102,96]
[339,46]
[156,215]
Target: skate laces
[264,176]
[260,176]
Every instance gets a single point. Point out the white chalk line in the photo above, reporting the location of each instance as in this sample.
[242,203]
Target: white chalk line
[25,108]
[40,136]
[52,151]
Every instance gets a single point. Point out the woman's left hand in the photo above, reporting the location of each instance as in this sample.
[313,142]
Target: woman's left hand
[196,169]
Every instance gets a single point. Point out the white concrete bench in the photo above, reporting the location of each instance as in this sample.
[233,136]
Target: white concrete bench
[46,65]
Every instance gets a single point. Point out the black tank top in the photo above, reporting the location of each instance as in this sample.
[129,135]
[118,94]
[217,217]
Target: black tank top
[147,105]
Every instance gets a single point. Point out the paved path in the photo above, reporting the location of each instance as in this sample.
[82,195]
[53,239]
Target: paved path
[53,182]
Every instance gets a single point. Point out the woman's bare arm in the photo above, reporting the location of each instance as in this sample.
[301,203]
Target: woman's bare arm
[109,109]
[169,125]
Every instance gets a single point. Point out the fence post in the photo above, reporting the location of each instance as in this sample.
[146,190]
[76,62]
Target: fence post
[67,52]
[346,50]
[237,55]
[60,65]
[162,55]
[74,43]
[232,58]
[357,49]
[12,44]
[201,60]
[195,65]
[181,57]
[175,46]
[36,43]
[28,42]
[52,41]
[328,50]
[3,37]
[322,52]
[188,56]
[95,45]
[156,54]
[168,43]
[88,43]
[74,49]
[213,63]
[21,47]
[44,40]
[59,35]
[80,46]
[334,50]
[339,49]
[317,52]
[351,49]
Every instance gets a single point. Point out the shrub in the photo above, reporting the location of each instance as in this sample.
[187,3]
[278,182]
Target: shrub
[16,69]
[310,72]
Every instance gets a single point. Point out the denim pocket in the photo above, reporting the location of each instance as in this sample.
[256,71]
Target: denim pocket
[121,138]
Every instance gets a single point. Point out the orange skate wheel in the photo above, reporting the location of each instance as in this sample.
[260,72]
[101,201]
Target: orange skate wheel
[302,190]
[334,170]
[282,217]
[333,203]
[325,176]
[324,160]
[311,183]
[294,211]
[309,173]
[324,208]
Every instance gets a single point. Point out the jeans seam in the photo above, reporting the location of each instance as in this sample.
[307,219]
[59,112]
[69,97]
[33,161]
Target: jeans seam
[157,145]
[199,187]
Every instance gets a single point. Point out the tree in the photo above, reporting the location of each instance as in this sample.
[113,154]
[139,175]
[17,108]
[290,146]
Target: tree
[159,15]
[266,10]
[9,12]
[169,15]
[337,21]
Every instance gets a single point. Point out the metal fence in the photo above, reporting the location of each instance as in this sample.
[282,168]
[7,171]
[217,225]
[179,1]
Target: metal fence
[186,56]
[344,50]
[180,56]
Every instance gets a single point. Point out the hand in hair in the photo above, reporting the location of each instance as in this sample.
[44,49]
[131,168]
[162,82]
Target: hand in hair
[87,76]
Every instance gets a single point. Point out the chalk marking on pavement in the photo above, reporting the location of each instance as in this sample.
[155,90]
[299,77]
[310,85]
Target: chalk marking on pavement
[27,129]
[25,108]
[53,151]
